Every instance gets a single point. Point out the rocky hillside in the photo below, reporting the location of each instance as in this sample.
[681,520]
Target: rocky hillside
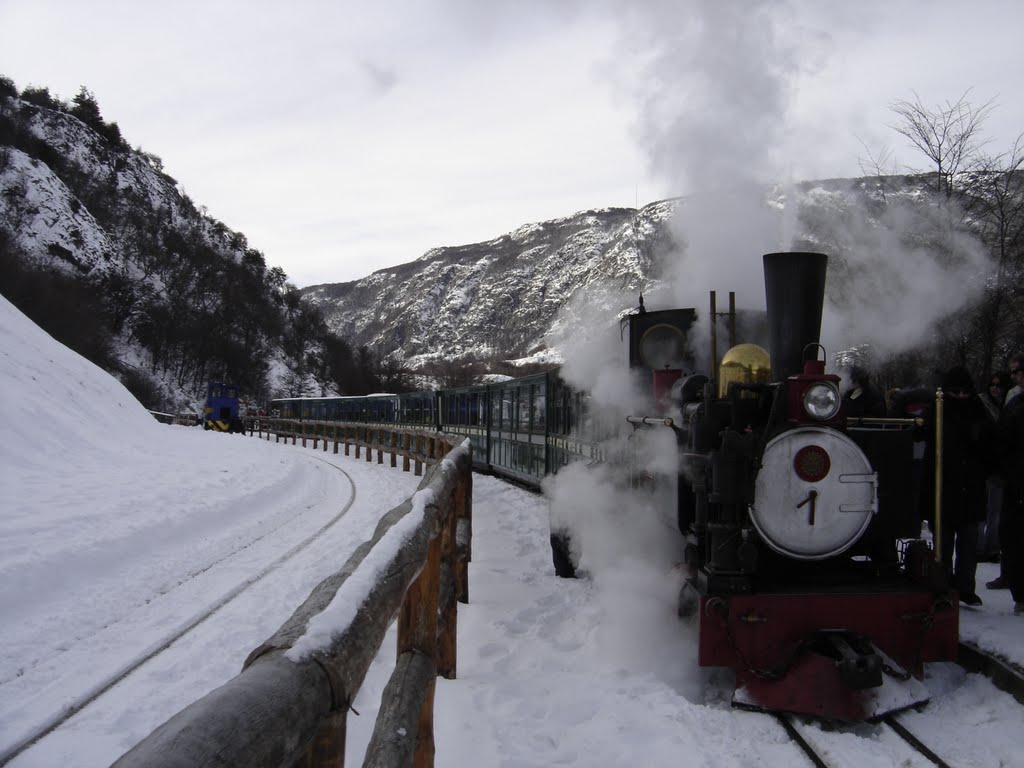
[176,298]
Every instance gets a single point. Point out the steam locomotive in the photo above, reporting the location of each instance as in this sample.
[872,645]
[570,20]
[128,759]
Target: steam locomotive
[805,566]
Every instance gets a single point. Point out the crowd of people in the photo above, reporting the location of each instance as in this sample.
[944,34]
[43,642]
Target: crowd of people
[982,511]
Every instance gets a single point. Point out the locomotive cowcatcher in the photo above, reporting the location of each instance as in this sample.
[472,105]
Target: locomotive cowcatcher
[806,568]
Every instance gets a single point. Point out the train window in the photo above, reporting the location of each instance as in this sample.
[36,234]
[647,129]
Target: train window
[496,420]
[523,410]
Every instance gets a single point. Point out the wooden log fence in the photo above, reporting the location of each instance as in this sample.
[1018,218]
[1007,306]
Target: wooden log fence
[418,448]
[288,707]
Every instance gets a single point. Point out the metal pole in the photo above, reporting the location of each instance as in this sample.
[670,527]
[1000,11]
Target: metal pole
[732,319]
[713,370]
[937,533]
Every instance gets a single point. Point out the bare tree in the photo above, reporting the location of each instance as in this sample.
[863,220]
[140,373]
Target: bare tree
[996,188]
[947,135]
[878,164]
[967,182]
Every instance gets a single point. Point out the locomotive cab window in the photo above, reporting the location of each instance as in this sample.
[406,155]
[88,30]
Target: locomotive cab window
[663,347]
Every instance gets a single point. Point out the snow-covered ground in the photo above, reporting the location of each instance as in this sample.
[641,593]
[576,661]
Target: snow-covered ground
[116,532]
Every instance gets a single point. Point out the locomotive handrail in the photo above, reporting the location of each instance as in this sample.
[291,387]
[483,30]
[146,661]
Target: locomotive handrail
[868,421]
[289,704]
[653,421]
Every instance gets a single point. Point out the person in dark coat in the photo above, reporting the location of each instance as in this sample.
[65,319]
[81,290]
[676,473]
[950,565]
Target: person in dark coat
[1010,441]
[967,448]
[989,543]
[862,399]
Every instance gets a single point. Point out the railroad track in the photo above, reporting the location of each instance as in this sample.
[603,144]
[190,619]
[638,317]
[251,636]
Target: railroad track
[917,752]
[1003,675]
[102,686]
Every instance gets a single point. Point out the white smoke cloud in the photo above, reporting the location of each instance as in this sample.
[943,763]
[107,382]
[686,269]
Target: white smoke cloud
[596,351]
[627,544]
[896,276]
[712,103]
[716,92]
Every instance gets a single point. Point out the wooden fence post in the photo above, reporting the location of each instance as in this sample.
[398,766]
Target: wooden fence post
[405,451]
[369,444]
[328,747]
[417,632]
[448,618]
[463,536]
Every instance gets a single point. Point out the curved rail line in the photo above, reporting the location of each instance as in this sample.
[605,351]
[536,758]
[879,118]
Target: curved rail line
[105,685]
[819,761]
[1004,675]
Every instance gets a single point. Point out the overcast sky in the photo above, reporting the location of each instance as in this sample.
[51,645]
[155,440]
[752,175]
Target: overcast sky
[341,137]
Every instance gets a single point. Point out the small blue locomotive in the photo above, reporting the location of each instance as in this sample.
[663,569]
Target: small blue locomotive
[221,410]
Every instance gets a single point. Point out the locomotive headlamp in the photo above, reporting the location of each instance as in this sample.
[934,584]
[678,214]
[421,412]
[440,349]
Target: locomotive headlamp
[821,400]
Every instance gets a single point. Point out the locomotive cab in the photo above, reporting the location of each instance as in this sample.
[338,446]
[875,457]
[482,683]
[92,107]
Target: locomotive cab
[658,348]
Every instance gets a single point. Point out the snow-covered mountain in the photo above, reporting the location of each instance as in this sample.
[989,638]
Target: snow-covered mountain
[509,298]
[498,299]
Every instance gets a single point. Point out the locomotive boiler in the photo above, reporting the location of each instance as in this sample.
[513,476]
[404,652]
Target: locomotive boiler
[806,570]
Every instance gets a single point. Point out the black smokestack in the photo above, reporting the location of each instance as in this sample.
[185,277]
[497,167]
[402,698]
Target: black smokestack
[794,288]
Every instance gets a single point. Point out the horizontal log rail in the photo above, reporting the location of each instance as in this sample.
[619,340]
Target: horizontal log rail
[289,704]
[416,447]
